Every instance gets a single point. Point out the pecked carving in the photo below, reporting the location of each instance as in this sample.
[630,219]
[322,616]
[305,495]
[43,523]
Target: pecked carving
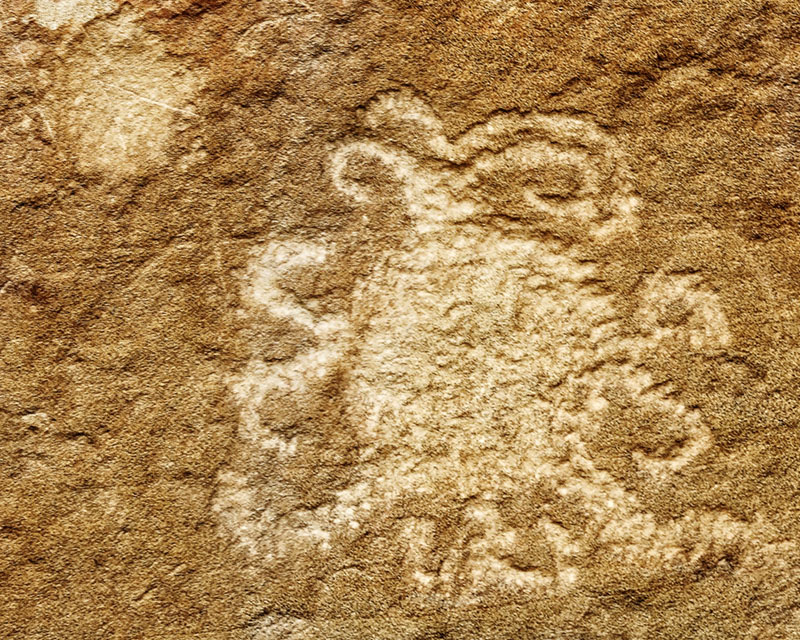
[477,356]
[544,166]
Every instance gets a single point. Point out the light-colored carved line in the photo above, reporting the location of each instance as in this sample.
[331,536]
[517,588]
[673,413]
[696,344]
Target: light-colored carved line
[186,112]
[46,122]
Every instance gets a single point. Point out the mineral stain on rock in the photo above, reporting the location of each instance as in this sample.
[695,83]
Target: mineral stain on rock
[398,320]
[123,100]
[57,13]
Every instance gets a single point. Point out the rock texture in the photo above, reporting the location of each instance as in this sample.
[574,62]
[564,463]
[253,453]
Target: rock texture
[399,320]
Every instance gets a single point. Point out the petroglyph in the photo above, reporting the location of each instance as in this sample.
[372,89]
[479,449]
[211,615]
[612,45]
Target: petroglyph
[478,357]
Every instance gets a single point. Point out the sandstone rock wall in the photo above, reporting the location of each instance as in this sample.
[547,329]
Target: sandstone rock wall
[404,320]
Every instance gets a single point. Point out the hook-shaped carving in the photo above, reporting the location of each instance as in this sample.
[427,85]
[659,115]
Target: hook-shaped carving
[402,165]
[443,181]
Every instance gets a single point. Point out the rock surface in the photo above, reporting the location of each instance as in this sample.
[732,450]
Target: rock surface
[399,319]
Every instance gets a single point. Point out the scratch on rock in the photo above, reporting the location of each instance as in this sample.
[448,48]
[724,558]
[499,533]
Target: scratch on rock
[46,122]
[187,112]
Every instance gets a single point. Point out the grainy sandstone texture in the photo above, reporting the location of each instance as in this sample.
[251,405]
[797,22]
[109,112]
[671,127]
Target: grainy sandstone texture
[399,319]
